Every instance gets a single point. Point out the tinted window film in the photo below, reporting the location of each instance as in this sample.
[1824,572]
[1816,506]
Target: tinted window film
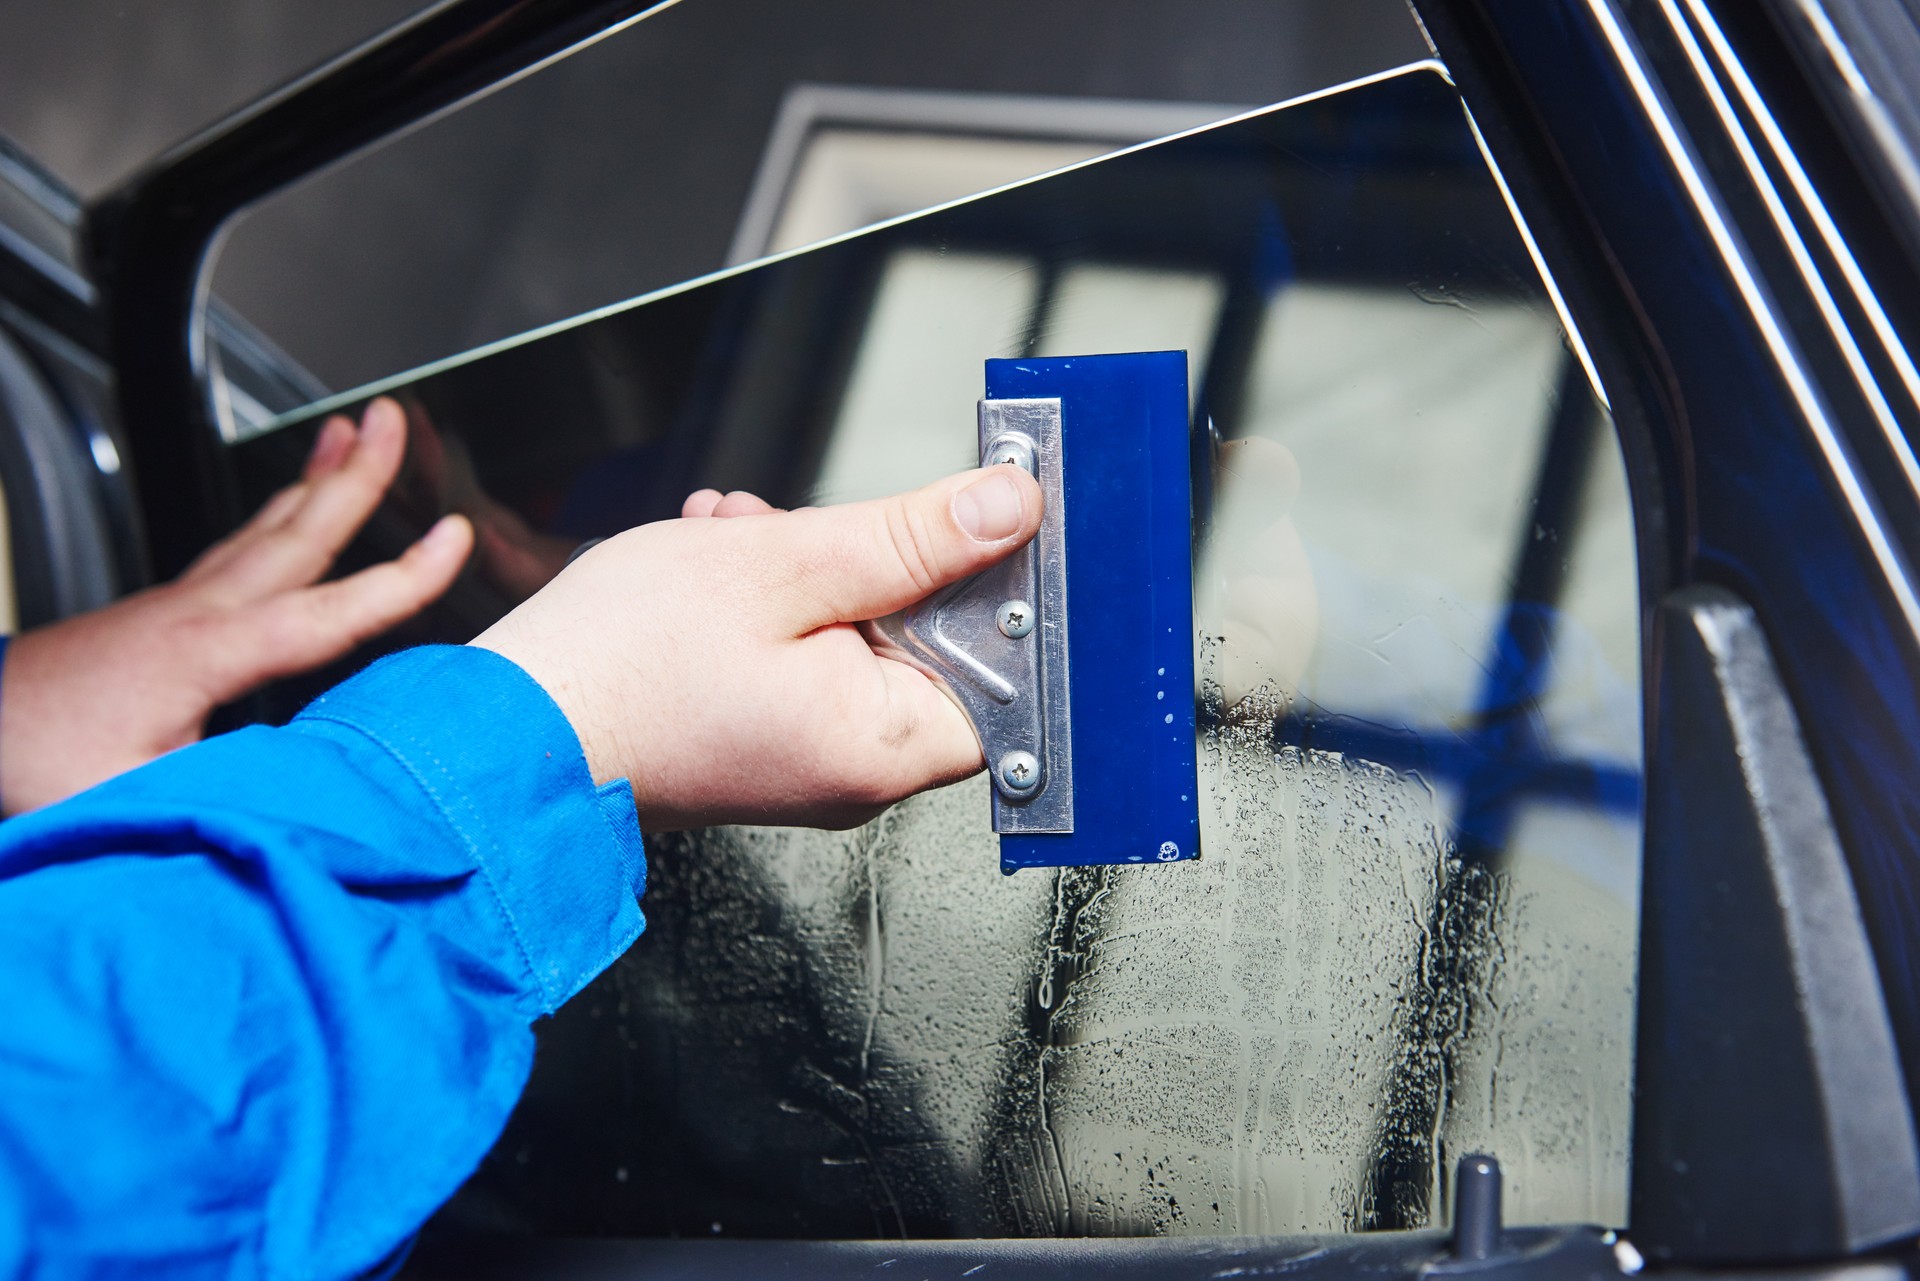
[630,165]
[1411,931]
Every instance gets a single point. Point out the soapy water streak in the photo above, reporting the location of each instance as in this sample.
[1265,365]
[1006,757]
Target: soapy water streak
[826,1037]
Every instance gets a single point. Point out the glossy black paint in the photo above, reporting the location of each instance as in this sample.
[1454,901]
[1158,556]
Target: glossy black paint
[148,241]
[1727,455]
[1876,131]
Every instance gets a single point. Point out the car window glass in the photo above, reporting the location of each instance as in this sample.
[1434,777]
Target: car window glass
[1411,932]
[634,163]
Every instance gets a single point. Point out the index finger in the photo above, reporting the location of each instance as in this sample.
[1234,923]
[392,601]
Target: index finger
[306,542]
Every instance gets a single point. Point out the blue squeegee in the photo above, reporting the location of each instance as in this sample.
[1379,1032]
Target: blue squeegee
[1074,659]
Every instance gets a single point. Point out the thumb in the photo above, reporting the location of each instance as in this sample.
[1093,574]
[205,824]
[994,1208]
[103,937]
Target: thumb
[866,560]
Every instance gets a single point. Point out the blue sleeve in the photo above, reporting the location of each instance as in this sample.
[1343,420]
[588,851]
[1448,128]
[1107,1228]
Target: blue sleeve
[267,999]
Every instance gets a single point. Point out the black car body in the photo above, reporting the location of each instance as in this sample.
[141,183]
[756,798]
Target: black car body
[1694,223]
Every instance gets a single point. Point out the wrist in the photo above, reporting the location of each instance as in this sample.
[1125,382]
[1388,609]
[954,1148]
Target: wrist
[561,686]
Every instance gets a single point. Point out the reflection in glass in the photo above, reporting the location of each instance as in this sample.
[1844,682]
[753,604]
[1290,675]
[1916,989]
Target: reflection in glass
[906,416]
[1411,931]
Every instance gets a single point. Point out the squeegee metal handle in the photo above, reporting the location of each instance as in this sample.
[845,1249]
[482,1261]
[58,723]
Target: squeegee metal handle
[996,643]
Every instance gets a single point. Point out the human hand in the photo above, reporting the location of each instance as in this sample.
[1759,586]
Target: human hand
[715,663]
[98,694]
[711,502]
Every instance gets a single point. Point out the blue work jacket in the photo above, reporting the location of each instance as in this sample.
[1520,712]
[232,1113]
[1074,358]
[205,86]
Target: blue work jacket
[265,1002]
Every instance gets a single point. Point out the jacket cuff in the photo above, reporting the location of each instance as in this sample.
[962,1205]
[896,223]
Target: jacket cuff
[497,760]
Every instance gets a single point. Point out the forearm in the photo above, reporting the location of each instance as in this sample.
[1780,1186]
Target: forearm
[268,998]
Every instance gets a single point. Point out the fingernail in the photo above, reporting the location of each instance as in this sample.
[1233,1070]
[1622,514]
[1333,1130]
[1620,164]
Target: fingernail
[329,430]
[989,509]
[329,443]
[382,415]
[445,532]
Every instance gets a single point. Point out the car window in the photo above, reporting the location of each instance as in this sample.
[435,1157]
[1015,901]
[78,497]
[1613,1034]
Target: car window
[633,164]
[1411,931]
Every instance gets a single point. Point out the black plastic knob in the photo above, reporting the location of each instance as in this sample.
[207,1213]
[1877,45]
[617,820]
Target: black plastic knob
[1476,1207]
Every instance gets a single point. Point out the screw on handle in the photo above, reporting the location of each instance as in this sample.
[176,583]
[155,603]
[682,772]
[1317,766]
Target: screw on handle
[1018,773]
[1015,620]
[1476,1207]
